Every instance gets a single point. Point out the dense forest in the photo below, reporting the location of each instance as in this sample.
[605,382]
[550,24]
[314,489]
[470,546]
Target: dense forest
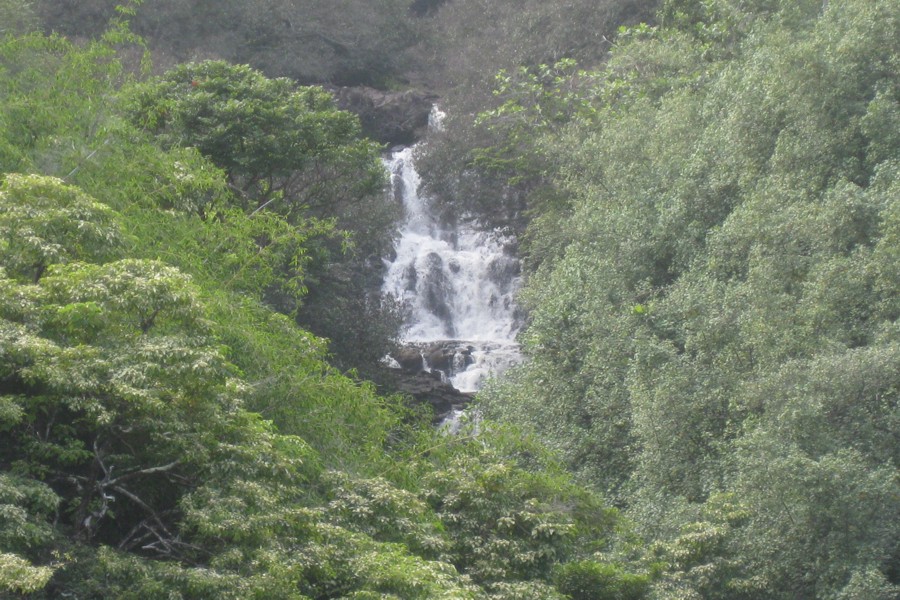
[707,199]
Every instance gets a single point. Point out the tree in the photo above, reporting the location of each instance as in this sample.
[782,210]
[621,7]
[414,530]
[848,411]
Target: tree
[25,505]
[113,375]
[281,147]
[44,222]
[108,378]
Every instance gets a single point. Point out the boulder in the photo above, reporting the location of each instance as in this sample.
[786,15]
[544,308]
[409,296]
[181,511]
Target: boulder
[409,358]
[449,357]
[437,290]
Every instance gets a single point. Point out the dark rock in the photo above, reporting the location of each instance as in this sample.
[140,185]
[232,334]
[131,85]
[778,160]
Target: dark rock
[409,358]
[449,357]
[412,277]
[424,8]
[393,118]
[429,388]
[502,270]
[444,359]
[436,290]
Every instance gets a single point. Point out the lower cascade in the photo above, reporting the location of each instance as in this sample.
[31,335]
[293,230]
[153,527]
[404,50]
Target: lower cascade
[458,283]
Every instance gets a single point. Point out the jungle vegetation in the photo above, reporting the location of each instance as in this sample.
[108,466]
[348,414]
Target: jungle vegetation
[708,202]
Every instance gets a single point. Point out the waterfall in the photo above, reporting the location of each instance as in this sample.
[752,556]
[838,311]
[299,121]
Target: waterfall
[458,283]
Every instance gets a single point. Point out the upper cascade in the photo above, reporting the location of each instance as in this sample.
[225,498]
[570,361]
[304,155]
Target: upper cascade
[459,282]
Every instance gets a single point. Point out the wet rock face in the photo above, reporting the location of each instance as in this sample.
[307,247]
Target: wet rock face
[424,8]
[436,288]
[412,278]
[410,359]
[431,389]
[392,118]
[447,357]
[425,369]
[503,270]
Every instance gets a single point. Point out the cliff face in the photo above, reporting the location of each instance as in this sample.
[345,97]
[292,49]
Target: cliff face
[392,118]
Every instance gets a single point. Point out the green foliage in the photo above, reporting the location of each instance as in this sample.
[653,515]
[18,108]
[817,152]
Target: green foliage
[590,580]
[111,381]
[25,506]
[714,310]
[52,102]
[276,143]
[117,394]
[44,222]
[713,337]
[165,434]
[380,510]
[18,576]
[536,102]
[288,151]
[17,17]
[699,560]
[511,515]
[109,378]
[869,584]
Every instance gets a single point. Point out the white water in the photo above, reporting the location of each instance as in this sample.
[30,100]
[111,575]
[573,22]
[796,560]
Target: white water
[458,283]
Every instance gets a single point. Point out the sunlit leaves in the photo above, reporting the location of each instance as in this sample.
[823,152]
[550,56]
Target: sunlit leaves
[504,516]
[584,580]
[17,575]
[112,366]
[24,506]
[139,292]
[386,513]
[45,222]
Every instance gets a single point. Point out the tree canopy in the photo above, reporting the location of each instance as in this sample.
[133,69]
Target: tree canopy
[279,145]
[709,311]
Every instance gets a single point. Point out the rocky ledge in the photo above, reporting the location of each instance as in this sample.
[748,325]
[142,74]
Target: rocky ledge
[392,118]
[429,388]
[421,370]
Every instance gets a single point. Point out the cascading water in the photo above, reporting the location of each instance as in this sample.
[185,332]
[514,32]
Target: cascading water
[458,283]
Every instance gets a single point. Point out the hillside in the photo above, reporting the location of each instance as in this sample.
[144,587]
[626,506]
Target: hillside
[707,203]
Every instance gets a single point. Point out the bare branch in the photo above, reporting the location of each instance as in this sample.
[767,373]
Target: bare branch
[149,471]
